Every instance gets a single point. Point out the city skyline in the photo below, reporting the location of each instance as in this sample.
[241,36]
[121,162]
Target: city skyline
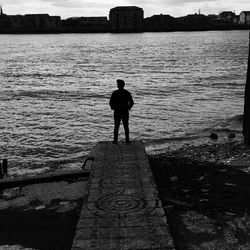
[70,8]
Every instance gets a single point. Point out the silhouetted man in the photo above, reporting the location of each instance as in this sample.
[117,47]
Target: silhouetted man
[121,102]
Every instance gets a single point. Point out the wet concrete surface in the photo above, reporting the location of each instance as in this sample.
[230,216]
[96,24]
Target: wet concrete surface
[122,209]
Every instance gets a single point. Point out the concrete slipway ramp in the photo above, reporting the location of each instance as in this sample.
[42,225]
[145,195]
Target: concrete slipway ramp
[122,210]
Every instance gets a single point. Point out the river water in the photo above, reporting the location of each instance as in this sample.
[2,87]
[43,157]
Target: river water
[55,91]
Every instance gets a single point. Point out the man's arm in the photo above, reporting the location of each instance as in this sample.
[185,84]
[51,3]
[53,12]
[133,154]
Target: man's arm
[111,101]
[131,101]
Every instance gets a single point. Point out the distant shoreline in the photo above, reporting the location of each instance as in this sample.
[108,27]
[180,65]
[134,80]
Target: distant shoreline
[146,30]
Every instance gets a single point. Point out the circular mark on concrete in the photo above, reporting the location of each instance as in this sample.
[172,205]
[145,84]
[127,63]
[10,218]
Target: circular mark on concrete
[121,166]
[118,183]
[120,173]
[120,203]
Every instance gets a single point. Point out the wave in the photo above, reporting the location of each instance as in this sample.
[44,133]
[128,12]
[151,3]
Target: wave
[34,75]
[223,128]
[237,118]
[171,139]
[43,94]
[228,125]
[52,90]
[199,136]
[229,83]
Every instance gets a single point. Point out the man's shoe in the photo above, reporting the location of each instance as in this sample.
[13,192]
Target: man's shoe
[128,142]
[114,142]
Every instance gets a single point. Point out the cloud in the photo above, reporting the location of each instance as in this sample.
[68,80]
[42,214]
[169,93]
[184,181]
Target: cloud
[77,4]
[68,8]
[80,3]
[15,2]
[172,7]
[166,2]
[64,8]
[183,7]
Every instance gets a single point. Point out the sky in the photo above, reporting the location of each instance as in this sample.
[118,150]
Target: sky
[73,8]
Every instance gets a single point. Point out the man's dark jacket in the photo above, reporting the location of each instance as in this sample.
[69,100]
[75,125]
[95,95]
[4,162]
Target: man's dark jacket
[121,100]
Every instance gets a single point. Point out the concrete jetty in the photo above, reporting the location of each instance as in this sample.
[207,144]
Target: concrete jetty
[122,210]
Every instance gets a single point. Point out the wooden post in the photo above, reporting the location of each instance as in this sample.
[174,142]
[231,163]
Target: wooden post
[5,166]
[246,117]
[1,171]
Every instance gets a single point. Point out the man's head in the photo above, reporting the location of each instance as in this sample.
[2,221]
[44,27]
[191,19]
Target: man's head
[120,84]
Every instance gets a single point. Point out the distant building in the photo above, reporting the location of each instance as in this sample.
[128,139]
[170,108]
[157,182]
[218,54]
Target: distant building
[87,21]
[245,18]
[93,21]
[42,21]
[16,21]
[159,23]
[86,24]
[193,22]
[227,16]
[236,19]
[126,19]
[121,19]
[212,16]
[28,22]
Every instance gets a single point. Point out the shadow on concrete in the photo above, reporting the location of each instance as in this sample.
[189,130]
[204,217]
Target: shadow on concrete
[218,193]
[43,229]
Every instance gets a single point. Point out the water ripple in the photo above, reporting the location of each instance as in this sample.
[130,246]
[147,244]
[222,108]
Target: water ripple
[55,90]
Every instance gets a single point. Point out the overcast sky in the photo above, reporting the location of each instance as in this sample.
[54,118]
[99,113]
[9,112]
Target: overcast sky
[70,8]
